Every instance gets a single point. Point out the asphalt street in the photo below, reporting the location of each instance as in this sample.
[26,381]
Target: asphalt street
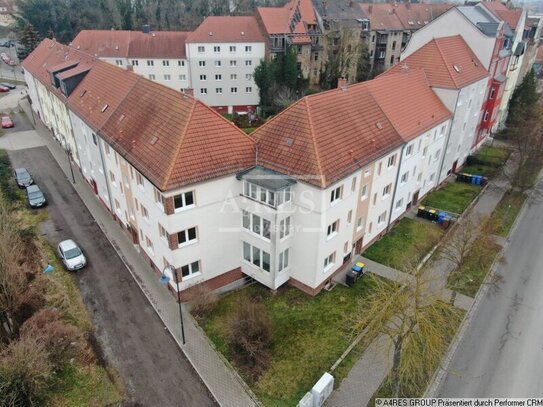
[501,354]
[132,338]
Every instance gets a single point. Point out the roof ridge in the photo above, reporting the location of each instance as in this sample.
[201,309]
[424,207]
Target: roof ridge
[277,115]
[315,147]
[178,147]
[442,55]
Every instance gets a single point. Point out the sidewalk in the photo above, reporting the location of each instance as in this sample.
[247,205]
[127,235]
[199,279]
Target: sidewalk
[371,369]
[224,384]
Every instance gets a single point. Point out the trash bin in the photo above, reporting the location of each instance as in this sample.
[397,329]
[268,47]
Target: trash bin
[484,181]
[432,215]
[440,217]
[350,278]
[446,222]
[421,212]
[467,178]
[358,268]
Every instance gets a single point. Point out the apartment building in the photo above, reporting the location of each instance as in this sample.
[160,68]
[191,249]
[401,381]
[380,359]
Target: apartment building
[314,186]
[460,80]
[223,53]
[295,24]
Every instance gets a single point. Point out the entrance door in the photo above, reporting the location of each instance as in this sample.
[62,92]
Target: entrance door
[135,236]
[415,198]
[358,246]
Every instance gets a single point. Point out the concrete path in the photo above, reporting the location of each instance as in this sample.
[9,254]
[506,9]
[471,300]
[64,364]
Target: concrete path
[226,386]
[21,140]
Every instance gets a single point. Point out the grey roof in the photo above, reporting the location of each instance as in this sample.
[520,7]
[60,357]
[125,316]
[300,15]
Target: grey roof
[339,10]
[266,178]
[500,78]
[481,18]
[519,50]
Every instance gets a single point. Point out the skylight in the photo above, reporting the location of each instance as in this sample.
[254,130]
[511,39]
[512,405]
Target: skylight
[104,108]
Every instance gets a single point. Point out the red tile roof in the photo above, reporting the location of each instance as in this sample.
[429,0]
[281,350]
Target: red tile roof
[171,138]
[227,29]
[278,20]
[402,16]
[439,57]
[510,16]
[322,138]
[132,44]
[409,102]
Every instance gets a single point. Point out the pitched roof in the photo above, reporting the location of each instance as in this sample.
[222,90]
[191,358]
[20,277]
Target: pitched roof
[322,138]
[402,16]
[174,139]
[132,44]
[510,16]
[227,29]
[293,18]
[439,57]
[171,138]
[409,102]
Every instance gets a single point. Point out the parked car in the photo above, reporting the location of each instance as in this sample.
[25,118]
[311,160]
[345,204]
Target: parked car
[7,123]
[35,196]
[8,85]
[23,178]
[71,255]
[4,89]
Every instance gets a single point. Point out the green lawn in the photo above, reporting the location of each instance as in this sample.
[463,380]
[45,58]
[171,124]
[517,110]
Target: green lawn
[507,211]
[469,277]
[452,197]
[409,239]
[309,335]
[486,161]
[249,130]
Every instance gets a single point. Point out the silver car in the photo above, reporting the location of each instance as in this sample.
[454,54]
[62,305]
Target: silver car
[35,196]
[71,255]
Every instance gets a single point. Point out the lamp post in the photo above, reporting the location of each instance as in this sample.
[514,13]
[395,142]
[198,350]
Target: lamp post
[164,280]
[69,154]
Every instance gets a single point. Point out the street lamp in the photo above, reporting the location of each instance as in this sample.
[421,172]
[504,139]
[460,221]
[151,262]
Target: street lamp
[164,280]
[69,154]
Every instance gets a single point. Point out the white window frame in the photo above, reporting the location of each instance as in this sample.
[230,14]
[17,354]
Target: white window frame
[184,205]
[188,241]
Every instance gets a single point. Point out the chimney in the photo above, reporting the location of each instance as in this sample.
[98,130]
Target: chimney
[342,83]
[146,28]
[189,91]
[130,68]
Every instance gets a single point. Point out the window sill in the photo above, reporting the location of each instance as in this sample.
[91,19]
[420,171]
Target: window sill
[189,243]
[331,236]
[255,266]
[184,278]
[184,208]
[265,239]
[328,267]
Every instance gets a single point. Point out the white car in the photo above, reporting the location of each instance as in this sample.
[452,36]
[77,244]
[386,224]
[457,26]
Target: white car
[71,255]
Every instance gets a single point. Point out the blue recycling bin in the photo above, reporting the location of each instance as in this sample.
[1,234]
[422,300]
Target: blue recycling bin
[440,217]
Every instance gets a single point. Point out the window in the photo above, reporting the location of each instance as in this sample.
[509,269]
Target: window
[203,77]
[283,260]
[152,76]
[180,63]
[364,192]
[485,117]
[399,203]
[139,179]
[284,227]
[94,139]
[218,77]
[218,90]
[217,63]
[335,195]
[367,173]
[201,63]
[149,244]
[442,130]
[346,247]
[379,168]
[405,176]
[203,91]
[349,216]
[248,76]
[167,77]
[391,161]
[190,270]
[353,184]
[248,62]
[248,89]
[159,198]
[234,90]
[201,49]
[436,155]
[108,151]
[332,229]
[232,48]
[135,62]
[316,56]
[248,48]
[382,218]
[409,150]
[257,257]
[112,177]
[182,77]
[144,212]
[283,196]
[492,92]
[386,190]
[165,63]
[186,236]
[184,200]
[162,232]
[432,177]
[256,224]
[360,223]
[216,48]
[393,45]
[150,62]
[375,198]
[119,62]
[117,205]
[329,261]
[233,76]
[424,152]
[233,63]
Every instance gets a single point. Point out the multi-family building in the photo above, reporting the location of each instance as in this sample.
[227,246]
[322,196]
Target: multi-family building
[460,80]
[295,24]
[223,53]
[312,187]
[489,38]
[534,25]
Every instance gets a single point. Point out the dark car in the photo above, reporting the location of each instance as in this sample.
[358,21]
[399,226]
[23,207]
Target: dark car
[8,85]
[36,199]
[23,178]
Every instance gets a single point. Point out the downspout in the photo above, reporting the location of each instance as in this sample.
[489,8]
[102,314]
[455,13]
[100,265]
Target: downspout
[395,187]
[106,175]
[446,147]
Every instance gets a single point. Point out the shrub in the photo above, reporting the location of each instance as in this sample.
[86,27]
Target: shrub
[202,301]
[250,338]
[25,373]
